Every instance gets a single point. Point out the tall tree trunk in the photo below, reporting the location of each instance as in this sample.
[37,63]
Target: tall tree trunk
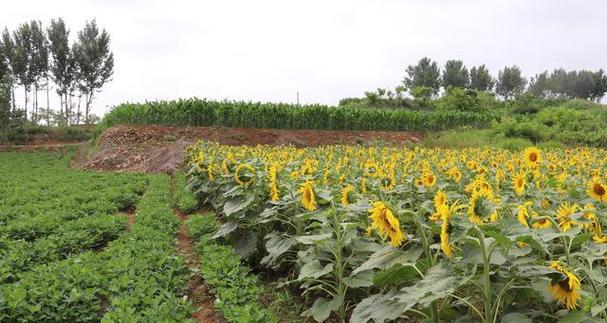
[89,100]
[25,107]
[13,93]
[48,103]
[35,104]
[78,113]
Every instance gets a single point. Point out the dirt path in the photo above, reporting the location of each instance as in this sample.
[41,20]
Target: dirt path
[130,217]
[198,291]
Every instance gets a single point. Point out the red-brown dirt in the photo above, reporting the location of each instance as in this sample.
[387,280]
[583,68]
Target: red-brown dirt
[153,149]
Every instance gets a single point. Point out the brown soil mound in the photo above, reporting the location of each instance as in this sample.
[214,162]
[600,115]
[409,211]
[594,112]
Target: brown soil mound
[154,149]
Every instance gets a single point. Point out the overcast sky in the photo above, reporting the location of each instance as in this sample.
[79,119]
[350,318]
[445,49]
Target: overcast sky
[326,50]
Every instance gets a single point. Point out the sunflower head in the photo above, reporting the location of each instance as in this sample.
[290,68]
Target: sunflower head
[518,182]
[597,190]
[244,175]
[564,213]
[533,157]
[308,197]
[565,290]
[481,207]
[428,180]
[384,221]
[347,195]
[440,199]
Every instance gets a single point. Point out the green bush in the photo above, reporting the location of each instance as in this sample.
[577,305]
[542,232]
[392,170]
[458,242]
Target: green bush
[196,112]
[463,100]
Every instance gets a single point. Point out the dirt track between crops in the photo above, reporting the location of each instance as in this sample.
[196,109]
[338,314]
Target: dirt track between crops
[153,149]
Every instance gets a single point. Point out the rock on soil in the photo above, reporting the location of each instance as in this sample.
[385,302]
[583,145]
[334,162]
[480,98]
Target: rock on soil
[153,149]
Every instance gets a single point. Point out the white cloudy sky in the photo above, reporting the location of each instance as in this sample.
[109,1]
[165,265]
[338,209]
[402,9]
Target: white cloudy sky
[325,49]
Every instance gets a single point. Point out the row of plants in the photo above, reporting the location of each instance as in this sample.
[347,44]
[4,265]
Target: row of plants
[237,291]
[51,220]
[66,255]
[183,199]
[146,280]
[197,112]
[384,233]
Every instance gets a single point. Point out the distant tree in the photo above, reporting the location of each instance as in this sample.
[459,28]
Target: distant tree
[63,65]
[94,61]
[600,85]
[8,55]
[38,67]
[455,74]
[510,82]
[425,74]
[5,103]
[22,57]
[480,79]
[582,84]
[539,86]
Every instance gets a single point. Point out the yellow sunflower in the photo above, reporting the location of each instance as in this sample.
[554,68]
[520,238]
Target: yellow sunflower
[308,197]
[244,175]
[541,222]
[597,190]
[446,211]
[346,194]
[523,213]
[384,221]
[445,246]
[274,192]
[518,182]
[428,180]
[455,174]
[481,207]
[533,157]
[565,291]
[564,213]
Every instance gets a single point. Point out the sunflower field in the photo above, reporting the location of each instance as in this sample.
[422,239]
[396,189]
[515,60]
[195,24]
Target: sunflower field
[417,234]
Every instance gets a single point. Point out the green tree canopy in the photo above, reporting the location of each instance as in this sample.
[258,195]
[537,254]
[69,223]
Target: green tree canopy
[455,74]
[510,82]
[425,74]
[480,79]
[94,60]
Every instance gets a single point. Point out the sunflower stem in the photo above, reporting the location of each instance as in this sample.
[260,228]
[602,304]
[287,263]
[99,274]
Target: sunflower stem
[486,277]
[430,258]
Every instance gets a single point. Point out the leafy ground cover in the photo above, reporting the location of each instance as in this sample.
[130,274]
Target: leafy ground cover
[382,233]
[66,254]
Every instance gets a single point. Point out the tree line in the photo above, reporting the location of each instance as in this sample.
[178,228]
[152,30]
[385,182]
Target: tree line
[425,79]
[38,59]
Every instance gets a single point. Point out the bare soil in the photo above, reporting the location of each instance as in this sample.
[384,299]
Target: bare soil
[153,149]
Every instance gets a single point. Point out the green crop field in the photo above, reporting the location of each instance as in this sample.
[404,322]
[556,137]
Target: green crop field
[67,254]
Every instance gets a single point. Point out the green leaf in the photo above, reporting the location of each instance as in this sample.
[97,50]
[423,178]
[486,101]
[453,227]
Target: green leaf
[276,245]
[388,256]
[395,275]
[378,307]
[362,279]
[225,229]
[322,308]
[437,283]
[311,239]
[577,317]
[314,269]
[598,308]
[236,204]
[516,318]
